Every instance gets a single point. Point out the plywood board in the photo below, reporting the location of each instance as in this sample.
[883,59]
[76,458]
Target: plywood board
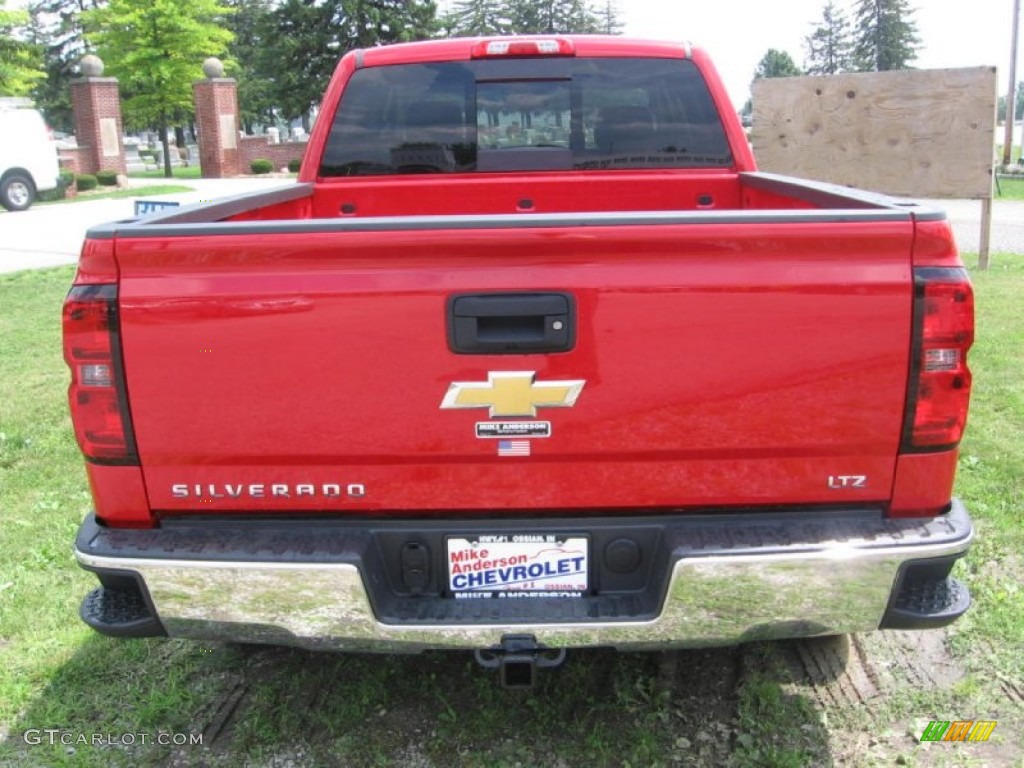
[916,133]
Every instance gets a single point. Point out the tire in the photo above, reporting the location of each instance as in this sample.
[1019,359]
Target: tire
[17,192]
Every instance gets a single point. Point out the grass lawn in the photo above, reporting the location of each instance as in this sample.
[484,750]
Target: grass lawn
[1010,188]
[268,707]
[177,172]
[190,172]
[153,189]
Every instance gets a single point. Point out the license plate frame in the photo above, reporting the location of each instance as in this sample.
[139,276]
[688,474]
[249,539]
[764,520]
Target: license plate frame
[517,565]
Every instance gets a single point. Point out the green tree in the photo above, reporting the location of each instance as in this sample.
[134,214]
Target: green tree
[478,17]
[57,29]
[608,19]
[250,24]
[156,49]
[553,17]
[776,63]
[20,61]
[829,47]
[377,22]
[886,36]
[305,41]
[301,51]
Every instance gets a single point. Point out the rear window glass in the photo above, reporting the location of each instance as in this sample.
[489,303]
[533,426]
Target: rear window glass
[525,114]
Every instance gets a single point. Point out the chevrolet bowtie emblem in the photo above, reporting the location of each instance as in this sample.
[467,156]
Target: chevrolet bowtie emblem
[512,393]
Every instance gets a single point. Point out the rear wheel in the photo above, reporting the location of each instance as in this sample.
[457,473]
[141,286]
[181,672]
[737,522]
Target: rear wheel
[17,192]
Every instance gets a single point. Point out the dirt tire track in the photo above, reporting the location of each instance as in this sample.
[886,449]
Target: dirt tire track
[842,670]
[223,714]
[835,667]
[918,659]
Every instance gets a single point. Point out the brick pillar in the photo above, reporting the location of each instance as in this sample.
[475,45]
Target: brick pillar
[96,103]
[216,100]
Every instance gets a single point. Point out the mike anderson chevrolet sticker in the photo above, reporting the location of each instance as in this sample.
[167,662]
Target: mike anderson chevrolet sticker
[504,566]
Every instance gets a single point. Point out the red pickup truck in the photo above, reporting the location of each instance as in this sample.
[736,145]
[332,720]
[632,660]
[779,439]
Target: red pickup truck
[531,357]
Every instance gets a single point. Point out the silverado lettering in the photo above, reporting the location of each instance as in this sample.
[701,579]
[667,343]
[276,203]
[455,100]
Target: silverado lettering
[260,490]
[775,370]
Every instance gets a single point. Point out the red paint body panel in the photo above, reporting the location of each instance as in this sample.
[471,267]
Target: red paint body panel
[120,494]
[724,365]
[96,264]
[934,245]
[553,192]
[924,484]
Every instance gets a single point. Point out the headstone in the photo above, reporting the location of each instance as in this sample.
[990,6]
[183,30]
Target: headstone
[132,159]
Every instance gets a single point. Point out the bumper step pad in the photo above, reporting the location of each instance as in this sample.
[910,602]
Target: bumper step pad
[928,604]
[120,613]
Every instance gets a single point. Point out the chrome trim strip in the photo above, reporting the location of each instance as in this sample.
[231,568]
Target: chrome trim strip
[498,221]
[714,600]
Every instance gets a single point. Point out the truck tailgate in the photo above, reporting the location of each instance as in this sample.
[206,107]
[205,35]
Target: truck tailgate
[725,363]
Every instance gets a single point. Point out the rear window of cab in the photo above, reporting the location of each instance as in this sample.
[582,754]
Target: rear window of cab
[525,114]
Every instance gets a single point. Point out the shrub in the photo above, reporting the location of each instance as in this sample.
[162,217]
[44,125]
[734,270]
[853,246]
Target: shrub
[293,165]
[66,179]
[49,195]
[85,182]
[107,178]
[261,165]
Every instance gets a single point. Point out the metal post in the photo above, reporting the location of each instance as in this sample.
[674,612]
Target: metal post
[1011,98]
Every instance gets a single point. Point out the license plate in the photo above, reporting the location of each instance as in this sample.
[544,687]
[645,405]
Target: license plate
[511,566]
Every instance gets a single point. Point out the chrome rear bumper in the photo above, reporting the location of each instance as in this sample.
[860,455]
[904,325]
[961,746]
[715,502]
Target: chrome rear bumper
[772,577]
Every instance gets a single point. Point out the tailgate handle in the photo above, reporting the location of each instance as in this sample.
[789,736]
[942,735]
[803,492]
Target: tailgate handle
[511,323]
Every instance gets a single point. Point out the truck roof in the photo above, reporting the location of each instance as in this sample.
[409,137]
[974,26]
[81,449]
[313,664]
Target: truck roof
[459,49]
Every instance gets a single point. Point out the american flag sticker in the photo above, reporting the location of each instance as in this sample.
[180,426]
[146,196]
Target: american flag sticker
[513,447]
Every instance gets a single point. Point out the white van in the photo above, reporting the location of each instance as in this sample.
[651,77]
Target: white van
[28,158]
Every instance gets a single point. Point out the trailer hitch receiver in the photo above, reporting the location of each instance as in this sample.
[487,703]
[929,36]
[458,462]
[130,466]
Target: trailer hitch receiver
[518,658]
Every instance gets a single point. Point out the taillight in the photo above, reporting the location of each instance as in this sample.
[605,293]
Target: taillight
[549,46]
[92,350]
[940,381]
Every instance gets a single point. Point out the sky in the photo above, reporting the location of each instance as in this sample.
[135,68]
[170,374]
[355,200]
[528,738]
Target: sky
[737,33]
